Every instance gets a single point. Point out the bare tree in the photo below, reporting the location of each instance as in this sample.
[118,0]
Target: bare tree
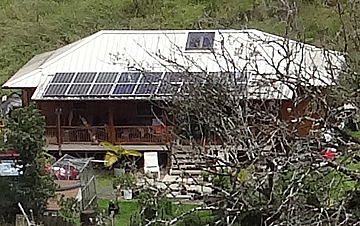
[272,116]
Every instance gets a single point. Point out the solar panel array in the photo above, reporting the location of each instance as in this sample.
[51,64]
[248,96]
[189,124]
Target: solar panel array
[119,84]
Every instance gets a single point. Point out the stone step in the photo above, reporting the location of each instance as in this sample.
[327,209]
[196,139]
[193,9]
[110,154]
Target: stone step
[188,166]
[186,163]
[183,156]
[179,196]
[179,172]
[188,159]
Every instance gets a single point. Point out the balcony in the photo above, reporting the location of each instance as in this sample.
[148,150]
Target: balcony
[114,134]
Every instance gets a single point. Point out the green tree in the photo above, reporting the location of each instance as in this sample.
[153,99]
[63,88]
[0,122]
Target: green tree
[25,134]
[70,210]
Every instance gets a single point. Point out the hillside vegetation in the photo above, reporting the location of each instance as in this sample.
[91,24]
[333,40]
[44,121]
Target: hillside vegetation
[30,27]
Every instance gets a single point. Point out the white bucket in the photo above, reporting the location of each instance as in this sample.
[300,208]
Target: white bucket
[128,194]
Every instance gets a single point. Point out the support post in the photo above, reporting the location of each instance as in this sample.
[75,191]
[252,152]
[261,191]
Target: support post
[58,112]
[111,130]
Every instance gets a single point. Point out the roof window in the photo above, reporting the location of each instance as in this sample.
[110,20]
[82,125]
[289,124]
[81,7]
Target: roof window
[200,41]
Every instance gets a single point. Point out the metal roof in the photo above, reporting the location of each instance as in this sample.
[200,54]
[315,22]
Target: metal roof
[30,76]
[169,50]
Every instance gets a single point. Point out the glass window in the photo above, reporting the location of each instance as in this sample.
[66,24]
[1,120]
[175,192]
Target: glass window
[200,40]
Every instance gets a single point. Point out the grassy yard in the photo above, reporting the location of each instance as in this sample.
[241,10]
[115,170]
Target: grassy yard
[104,187]
[104,190]
[129,207]
[126,209]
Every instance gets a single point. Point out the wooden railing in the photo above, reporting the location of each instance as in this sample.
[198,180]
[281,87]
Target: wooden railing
[143,134]
[116,134]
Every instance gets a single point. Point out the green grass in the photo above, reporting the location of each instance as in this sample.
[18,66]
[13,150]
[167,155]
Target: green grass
[129,207]
[355,134]
[104,182]
[126,209]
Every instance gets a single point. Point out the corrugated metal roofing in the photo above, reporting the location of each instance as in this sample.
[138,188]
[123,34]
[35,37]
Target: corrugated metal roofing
[158,51]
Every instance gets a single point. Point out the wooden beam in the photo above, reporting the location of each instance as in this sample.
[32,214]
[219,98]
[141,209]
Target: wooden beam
[58,112]
[111,130]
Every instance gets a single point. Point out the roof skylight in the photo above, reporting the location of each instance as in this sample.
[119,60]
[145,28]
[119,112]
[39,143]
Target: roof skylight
[200,41]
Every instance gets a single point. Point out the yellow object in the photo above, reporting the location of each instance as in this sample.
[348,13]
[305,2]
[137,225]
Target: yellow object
[242,175]
[115,153]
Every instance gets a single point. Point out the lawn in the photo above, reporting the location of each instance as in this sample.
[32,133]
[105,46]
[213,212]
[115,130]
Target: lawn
[129,207]
[104,187]
[126,209]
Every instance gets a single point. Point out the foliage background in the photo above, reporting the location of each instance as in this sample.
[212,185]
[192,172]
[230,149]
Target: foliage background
[30,27]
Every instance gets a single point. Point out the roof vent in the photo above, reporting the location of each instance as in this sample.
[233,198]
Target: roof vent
[200,41]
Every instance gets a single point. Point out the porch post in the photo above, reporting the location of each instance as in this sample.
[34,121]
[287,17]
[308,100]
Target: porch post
[58,112]
[111,131]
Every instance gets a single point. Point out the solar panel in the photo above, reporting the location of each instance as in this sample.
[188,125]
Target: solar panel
[79,89]
[124,89]
[63,77]
[106,77]
[241,77]
[193,76]
[173,76]
[101,89]
[146,89]
[240,87]
[129,77]
[168,88]
[211,74]
[185,88]
[134,83]
[85,77]
[200,75]
[151,77]
[234,77]
[56,89]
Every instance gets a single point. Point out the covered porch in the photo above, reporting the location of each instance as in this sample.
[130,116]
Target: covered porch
[114,134]
[92,122]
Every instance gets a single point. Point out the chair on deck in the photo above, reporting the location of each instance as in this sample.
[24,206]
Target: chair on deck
[151,163]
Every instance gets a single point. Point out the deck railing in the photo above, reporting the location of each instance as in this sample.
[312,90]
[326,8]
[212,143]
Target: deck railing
[115,134]
[143,134]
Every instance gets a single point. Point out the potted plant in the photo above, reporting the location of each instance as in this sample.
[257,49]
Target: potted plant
[124,183]
[118,157]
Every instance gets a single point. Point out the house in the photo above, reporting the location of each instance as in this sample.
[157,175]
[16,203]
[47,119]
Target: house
[98,88]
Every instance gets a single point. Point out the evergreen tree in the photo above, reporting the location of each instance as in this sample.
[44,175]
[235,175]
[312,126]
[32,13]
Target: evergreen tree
[24,133]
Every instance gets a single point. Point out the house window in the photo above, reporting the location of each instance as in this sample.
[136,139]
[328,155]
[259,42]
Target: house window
[200,40]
